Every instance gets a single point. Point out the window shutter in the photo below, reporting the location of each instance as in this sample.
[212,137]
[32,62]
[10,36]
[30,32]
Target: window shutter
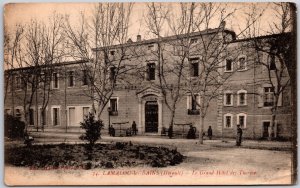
[188,101]
[224,99]
[198,100]
[260,97]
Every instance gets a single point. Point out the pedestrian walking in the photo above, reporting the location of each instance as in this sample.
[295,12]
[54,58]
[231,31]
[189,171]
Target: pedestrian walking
[209,132]
[239,135]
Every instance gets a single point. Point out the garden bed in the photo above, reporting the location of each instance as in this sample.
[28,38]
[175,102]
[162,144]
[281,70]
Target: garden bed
[100,156]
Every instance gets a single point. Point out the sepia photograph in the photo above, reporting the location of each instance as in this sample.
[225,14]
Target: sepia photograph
[150,93]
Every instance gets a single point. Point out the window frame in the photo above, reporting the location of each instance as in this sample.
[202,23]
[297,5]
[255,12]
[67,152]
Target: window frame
[269,92]
[193,41]
[112,52]
[52,115]
[238,120]
[73,79]
[189,107]
[226,70]
[231,120]
[84,78]
[89,110]
[114,113]
[225,98]
[245,63]
[54,80]
[192,61]
[149,68]
[239,97]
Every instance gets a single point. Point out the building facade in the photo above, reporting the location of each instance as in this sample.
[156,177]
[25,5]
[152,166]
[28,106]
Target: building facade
[245,98]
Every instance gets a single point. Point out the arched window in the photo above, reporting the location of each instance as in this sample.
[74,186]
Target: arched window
[228,120]
[242,97]
[241,120]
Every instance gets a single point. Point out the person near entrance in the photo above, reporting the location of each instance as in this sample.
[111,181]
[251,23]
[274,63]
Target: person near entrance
[239,135]
[209,132]
[134,129]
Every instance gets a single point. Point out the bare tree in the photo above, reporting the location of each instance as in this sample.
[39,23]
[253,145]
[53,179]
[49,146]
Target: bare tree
[12,45]
[100,40]
[193,41]
[33,61]
[274,54]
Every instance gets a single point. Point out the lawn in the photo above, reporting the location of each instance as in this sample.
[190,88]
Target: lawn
[112,155]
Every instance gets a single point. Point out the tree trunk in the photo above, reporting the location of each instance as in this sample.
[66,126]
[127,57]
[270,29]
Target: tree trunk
[201,129]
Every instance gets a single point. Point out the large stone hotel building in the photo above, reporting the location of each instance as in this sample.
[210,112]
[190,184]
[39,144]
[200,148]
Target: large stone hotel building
[245,98]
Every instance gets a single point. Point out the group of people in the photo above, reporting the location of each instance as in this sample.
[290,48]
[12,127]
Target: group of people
[191,133]
[133,130]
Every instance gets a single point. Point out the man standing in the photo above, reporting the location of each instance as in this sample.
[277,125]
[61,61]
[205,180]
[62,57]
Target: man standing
[209,132]
[239,135]
[134,129]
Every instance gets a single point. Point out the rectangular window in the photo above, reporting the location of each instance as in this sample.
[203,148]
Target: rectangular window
[228,99]
[56,116]
[84,77]
[71,79]
[194,103]
[242,63]
[242,121]
[193,41]
[113,105]
[85,112]
[112,52]
[192,106]
[31,116]
[227,121]
[55,80]
[242,98]
[268,96]
[228,66]
[194,67]
[151,71]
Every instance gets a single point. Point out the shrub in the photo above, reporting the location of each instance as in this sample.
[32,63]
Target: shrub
[92,129]
[14,128]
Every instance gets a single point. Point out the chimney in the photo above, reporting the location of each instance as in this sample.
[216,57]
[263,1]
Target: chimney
[138,38]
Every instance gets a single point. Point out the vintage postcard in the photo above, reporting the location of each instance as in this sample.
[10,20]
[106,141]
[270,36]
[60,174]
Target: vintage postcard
[150,93]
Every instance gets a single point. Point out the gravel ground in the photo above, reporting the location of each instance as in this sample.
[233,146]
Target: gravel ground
[204,164]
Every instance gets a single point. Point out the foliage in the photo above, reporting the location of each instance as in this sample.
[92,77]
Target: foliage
[92,129]
[14,128]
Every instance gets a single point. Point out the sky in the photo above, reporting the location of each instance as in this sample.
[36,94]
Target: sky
[24,12]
